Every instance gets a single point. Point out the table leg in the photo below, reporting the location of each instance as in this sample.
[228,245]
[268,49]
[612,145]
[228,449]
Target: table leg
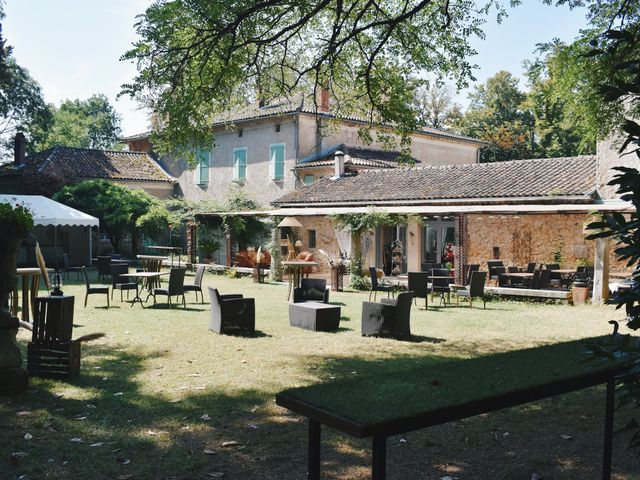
[314,450]
[137,298]
[608,430]
[15,301]
[379,460]
[24,316]
[35,289]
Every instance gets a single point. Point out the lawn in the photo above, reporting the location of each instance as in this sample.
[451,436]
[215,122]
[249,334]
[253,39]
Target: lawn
[162,397]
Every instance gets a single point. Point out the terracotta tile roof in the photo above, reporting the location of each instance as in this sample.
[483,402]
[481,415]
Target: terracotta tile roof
[300,104]
[355,155]
[519,179]
[84,163]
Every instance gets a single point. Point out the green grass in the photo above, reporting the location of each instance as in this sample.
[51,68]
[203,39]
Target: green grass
[160,394]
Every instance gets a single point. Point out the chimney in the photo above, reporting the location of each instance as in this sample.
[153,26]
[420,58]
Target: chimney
[338,160]
[324,100]
[19,149]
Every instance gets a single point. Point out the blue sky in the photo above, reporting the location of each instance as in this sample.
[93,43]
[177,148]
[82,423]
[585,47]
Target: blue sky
[72,47]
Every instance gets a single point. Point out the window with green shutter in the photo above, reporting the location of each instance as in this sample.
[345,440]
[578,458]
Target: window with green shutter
[240,163]
[277,161]
[308,179]
[201,174]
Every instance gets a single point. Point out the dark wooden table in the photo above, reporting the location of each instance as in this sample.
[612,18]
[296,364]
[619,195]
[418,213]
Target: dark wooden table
[379,406]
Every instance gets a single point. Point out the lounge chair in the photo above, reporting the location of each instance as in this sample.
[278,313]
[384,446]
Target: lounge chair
[311,290]
[389,317]
[231,313]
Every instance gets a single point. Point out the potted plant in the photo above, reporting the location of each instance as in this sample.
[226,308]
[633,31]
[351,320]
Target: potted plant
[16,223]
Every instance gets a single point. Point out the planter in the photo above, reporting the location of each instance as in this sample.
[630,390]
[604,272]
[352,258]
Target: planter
[579,294]
[12,376]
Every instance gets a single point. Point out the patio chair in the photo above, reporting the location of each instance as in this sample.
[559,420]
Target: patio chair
[196,286]
[491,265]
[377,287]
[440,281]
[418,283]
[540,279]
[66,266]
[474,290]
[231,313]
[474,267]
[531,267]
[389,317]
[118,282]
[95,289]
[311,290]
[499,272]
[175,287]
[104,267]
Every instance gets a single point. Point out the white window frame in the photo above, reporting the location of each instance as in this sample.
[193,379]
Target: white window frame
[272,163]
[236,169]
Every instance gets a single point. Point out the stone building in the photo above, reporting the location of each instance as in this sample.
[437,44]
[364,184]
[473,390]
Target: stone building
[261,150]
[519,211]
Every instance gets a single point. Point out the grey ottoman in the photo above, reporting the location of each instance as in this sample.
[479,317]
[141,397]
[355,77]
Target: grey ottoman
[315,316]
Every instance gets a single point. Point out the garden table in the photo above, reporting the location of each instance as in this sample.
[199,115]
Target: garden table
[171,250]
[294,272]
[382,405]
[138,277]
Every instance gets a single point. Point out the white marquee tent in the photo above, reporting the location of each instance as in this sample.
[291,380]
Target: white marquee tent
[47,212]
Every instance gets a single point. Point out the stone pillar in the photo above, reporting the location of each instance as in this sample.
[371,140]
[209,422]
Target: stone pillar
[601,271]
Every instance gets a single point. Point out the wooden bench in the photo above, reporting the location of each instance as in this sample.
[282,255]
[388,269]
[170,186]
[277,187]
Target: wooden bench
[540,294]
[380,406]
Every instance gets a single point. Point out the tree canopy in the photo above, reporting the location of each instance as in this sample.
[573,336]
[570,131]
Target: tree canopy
[198,58]
[90,123]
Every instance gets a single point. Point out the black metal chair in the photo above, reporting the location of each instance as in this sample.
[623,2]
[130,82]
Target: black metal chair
[66,266]
[470,269]
[389,317]
[531,267]
[491,265]
[175,287]
[231,313]
[119,282]
[500,273]
[474,290]
[418,283]
[311,290]
[376,286]
[95,289]
[196,286]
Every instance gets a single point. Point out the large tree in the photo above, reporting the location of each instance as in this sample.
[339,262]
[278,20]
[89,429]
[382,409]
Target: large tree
[498,115]
[436,107]
[90,123]
[198,58]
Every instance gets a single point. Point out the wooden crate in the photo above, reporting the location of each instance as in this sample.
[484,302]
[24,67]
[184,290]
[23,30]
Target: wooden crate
[58,360]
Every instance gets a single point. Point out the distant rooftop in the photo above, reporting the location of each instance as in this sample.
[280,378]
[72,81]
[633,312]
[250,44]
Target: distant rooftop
[87,163]
[356,156]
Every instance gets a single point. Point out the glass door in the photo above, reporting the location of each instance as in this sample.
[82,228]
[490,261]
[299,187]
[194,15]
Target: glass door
[438,240]
[391,246]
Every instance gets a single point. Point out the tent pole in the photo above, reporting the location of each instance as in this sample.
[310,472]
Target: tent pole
[90,246]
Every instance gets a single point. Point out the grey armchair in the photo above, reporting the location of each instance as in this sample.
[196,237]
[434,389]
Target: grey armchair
[389,317]
[175,288]
[231,313]
[311,290]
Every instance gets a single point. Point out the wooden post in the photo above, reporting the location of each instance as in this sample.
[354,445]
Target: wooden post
[601,271]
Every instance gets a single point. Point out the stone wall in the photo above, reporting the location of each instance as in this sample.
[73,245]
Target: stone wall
[528,238]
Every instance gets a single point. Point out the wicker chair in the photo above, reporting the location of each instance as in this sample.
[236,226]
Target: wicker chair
[118,282]
[474,290]
[175,288]
[440,281]
[418,283]
[389,317]
[311,290]
[101,289]
[231,313]
[104,267]
[196,286]
[66,266]
[491,265]
[377,287]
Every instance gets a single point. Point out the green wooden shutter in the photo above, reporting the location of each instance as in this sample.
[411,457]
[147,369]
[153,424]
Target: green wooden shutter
[201,173]
[277,162]
[240,164]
